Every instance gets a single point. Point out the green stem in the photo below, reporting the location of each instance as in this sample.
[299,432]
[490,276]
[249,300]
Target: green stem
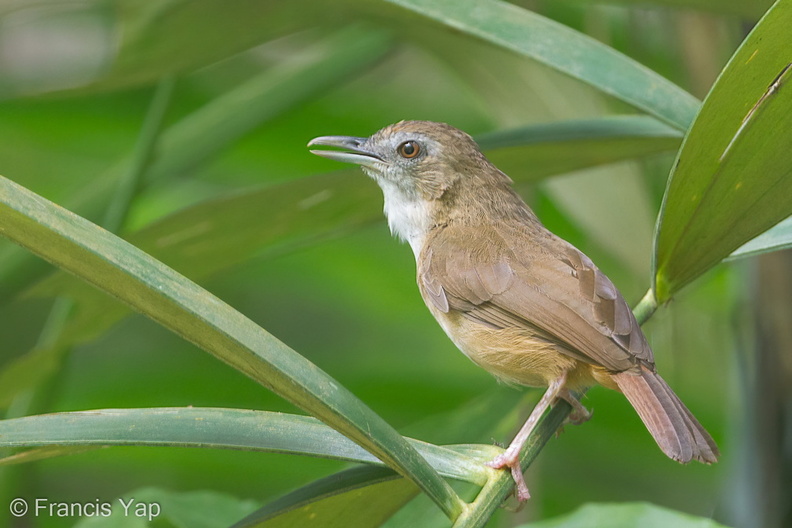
[498,488]
[129,183]
[646,307]
[58,315]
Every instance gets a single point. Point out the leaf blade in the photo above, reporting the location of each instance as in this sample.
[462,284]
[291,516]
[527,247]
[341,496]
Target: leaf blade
[213,428]
[537,151]
[624,515]
[775,239]
[362,497]
[732,179]
[148,286]
[565,50]
[752,9]
[209,130]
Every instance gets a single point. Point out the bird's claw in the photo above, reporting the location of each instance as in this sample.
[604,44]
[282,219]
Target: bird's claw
[507,460]
[579,415]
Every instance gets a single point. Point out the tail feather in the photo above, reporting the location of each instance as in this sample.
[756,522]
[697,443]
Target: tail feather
[672,425]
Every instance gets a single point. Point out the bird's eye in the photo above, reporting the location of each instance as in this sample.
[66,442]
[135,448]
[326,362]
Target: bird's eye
[409,149]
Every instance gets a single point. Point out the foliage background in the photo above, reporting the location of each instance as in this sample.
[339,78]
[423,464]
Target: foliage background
[76,79]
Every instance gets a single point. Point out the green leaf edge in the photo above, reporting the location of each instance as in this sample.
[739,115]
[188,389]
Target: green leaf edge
[660,288]
[608,127]
[148,286]
[775,239]
[327,487]
[219,428]
[539,39]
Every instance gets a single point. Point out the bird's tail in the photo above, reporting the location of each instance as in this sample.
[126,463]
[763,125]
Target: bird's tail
[672,425]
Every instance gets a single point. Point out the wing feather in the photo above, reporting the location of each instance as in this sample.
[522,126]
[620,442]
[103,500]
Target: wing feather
[535,280]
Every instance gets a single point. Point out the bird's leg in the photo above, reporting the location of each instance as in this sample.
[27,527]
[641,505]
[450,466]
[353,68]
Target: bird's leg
[579,413]
[511,457]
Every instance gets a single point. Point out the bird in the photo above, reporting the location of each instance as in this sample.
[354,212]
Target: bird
[519,301]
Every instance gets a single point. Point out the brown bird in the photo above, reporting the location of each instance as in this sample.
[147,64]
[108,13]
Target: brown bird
[519,301]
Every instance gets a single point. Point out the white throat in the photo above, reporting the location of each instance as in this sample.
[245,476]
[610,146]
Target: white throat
[409,216]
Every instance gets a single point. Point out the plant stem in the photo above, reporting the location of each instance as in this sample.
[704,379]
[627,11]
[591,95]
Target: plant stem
[129,183]
[646,307]
[498,488]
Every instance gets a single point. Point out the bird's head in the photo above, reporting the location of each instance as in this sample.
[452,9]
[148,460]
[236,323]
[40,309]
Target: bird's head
[428,172]
[422,158]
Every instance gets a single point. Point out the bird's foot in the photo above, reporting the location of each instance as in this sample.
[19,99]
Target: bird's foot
[512,461]
[579,413]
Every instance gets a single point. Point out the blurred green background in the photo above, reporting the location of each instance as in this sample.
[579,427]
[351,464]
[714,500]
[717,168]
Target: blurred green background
[76,80]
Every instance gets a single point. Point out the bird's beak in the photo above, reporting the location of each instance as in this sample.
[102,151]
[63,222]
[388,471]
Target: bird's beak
[354,153]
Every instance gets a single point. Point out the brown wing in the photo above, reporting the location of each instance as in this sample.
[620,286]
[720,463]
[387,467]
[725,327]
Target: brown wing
[537,280]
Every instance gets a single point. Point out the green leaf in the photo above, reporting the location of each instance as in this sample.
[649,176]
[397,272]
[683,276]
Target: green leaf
[27,370]
[137,42]
[116,520]
[604,128]
[538,151]
[626,515]
[39,364]
[173,36]
[129,183]
[216,234]
[43,453]
[215,429]
[362,497]
[733,179]
[183,146]
[191,509]
[748,8]
[304,75]
[153,289]
[212,128]
[565,50]
[775,239]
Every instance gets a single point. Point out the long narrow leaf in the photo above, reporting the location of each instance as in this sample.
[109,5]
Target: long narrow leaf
[538,151]
[625,515]
[362,497]
[214,429]
[733,178]
[331,60]
[171,508]
[194,139]
[565,50]
[748,8]
[212,128]
[148,286]
[214,235]
[611,127]
[775,239]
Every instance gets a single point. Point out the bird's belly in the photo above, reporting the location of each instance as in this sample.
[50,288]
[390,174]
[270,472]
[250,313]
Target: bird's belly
[514,355]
